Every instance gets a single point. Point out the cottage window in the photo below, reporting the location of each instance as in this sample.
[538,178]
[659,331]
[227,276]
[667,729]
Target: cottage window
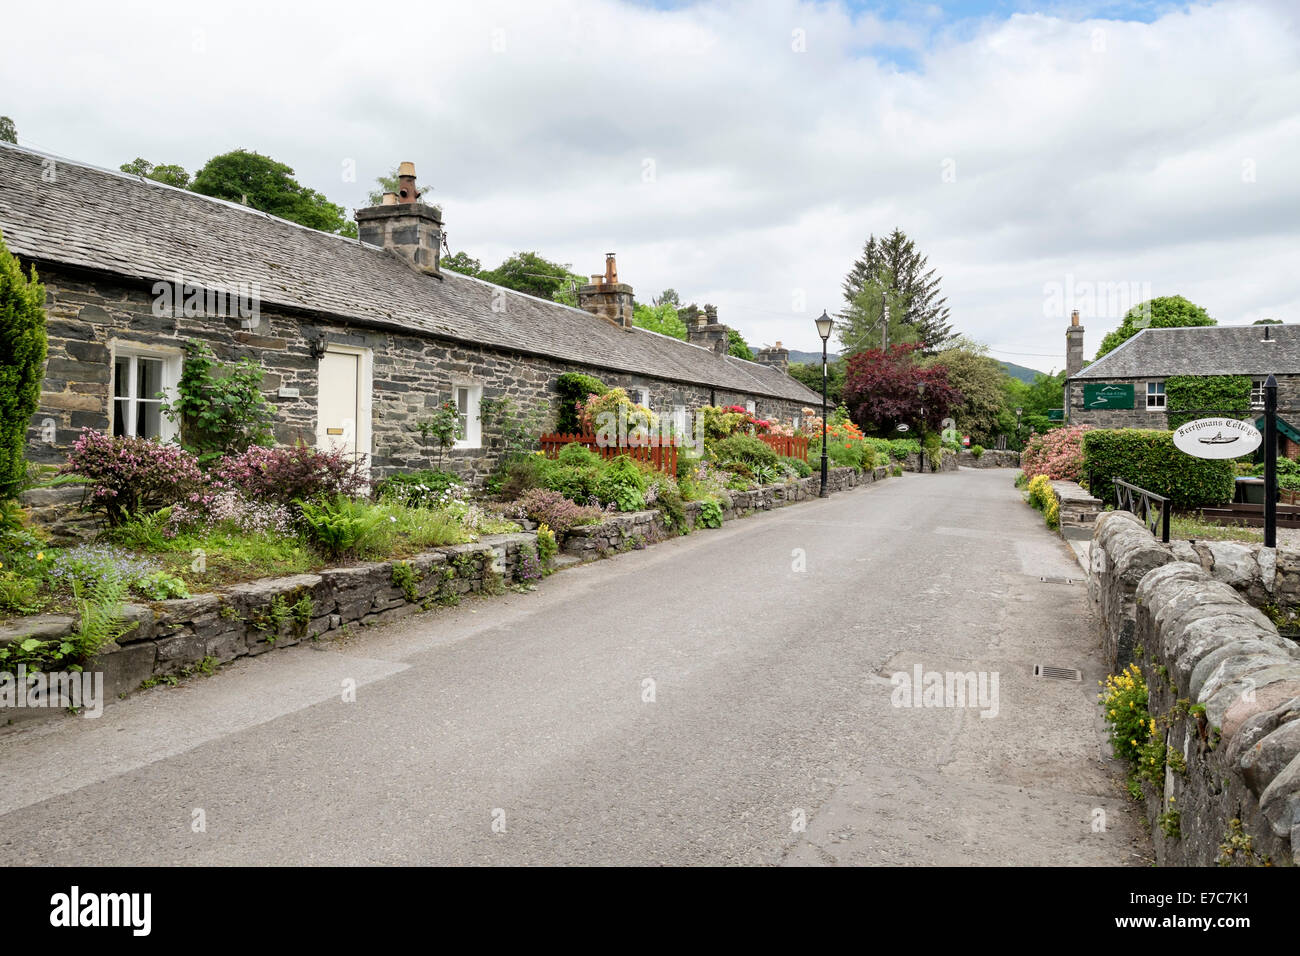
[750,406]
[143,379]
[468,399]
[1257,393]
[1155,394]
[643,397]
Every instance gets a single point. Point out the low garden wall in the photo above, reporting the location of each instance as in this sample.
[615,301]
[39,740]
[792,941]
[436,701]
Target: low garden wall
[635,530]
[1224,690]
[947,462]
[992,458]
[173,637]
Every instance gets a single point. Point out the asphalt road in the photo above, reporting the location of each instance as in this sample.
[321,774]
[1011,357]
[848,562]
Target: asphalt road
[523,729]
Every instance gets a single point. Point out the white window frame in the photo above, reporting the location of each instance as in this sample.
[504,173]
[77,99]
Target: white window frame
[473,424]
[1156,390]
[751,406]
[171,358]
[365,398]
[1257,394]
[643,397]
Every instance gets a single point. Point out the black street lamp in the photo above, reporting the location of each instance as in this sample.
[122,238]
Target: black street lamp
[920,431]
[824,325]
[1018,411]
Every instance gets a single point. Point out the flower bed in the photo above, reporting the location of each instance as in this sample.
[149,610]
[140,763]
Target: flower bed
[165,638]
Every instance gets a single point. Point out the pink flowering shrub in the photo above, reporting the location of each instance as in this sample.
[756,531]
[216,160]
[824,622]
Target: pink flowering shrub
[1058,454]
[285,475]
[231,510]
[129,476]
[554,510]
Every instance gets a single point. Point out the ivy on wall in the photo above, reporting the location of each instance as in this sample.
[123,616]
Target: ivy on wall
[1227,395]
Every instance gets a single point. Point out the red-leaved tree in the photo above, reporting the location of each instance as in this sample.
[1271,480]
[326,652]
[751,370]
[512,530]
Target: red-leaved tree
[880,389]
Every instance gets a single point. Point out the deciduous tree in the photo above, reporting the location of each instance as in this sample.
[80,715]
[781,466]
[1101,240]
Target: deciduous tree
[260,182]
[880,390]
[1164,312]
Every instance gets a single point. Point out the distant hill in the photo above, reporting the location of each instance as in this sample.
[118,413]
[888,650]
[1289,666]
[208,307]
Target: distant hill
[811,358]
[1015,371]
[1019,371]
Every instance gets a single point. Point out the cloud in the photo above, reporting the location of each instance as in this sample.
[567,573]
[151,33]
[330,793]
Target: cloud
[741,152]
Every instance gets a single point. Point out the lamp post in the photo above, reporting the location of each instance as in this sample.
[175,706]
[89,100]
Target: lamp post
[824,325]
[920,431]
[1018,411]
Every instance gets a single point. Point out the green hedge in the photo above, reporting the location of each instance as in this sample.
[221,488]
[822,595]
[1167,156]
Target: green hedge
[574,387]
[1227,395]
[1147,458]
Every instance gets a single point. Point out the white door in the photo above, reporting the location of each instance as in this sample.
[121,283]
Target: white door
[338,417]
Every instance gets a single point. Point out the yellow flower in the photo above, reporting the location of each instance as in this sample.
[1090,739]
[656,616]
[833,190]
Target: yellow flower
[1133,742]
[40,555]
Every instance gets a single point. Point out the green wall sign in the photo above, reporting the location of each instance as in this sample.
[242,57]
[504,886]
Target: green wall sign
[1056,414]
[1107,395]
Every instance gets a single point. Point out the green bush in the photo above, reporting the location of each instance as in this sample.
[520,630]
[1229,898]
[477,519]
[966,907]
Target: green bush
[1148,458]
[516,475]
[622,484]
[579,456]
[710,513]
[798,466]
[1288,473]
[1223,395]
[22,365]
[977,451]
[575,483]
[419,489]
[574,387]
[743,453]
[843,454]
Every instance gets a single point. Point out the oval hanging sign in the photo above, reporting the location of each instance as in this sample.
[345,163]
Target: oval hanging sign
[1218,438]
[903,427]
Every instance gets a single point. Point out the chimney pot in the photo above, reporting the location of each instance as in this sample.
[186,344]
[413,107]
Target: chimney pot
[606,297]
[410,230]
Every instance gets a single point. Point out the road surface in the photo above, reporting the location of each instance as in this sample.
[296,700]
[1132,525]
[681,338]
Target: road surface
[724,698]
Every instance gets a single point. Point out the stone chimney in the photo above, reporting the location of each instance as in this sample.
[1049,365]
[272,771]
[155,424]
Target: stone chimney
[704,329]
[404,226]
[608,298]
[1073,346]
[777,356]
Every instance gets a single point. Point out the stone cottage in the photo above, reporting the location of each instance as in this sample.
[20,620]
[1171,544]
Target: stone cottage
[358,339]
[1125,388]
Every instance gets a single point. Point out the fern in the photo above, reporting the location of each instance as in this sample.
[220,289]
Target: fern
[99,613]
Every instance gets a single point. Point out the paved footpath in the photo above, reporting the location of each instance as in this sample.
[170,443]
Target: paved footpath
[518,729]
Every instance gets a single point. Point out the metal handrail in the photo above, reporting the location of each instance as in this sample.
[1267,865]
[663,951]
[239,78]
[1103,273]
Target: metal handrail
[1139,501]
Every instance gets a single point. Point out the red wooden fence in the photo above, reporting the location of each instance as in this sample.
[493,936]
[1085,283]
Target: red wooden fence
[790,446]
[661,455]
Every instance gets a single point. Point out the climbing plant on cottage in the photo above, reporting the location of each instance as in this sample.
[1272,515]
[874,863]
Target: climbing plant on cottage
[22,365]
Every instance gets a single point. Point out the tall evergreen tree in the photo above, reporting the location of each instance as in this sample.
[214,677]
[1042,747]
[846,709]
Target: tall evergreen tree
[894,261]
[22,365]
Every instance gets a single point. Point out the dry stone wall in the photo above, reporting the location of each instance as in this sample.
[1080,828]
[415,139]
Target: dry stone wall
[1224,685]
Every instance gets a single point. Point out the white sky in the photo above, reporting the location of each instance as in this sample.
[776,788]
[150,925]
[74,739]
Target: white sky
[715,157]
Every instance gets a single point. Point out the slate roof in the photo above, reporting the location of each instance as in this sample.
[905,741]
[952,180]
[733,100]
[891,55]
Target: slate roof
[1201,350]
[140,229]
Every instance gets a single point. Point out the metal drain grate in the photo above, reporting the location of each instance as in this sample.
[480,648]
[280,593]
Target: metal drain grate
[1052,672]
[1056,580]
